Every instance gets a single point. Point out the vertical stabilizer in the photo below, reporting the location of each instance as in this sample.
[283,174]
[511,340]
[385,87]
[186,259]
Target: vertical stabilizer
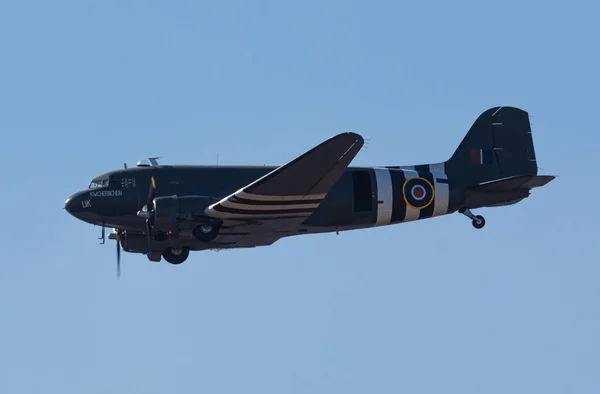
[498,145]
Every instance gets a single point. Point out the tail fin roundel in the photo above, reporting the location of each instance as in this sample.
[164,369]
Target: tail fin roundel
[498,145]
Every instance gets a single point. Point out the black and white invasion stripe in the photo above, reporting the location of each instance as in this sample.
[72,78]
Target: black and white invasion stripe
[392,206]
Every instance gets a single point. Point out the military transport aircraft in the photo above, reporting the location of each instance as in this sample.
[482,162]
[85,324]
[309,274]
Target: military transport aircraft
[168,211]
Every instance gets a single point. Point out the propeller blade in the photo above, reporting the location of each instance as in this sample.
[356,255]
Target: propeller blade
[148,236]
[147,212]
[118,260]
[151,194]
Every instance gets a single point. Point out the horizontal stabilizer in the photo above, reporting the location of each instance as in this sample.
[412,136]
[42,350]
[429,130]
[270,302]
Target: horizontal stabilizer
[513,183]
[538,181]
[505,191]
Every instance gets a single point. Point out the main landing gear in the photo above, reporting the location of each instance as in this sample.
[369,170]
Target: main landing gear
[176,254]
[477,220]
[206,231]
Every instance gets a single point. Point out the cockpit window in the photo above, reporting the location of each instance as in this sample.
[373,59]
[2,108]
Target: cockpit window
[99,183]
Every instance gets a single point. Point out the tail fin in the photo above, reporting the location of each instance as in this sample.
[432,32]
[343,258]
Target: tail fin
[498,145]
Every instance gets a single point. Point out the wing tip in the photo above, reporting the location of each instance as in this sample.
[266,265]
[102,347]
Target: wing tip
[348,137]
[352,134]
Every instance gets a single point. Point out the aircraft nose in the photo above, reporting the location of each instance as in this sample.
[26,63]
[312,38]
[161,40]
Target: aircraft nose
[76,204]
[70,204]
[81,206]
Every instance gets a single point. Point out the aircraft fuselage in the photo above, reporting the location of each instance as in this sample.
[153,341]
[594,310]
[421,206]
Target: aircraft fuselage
[363,197]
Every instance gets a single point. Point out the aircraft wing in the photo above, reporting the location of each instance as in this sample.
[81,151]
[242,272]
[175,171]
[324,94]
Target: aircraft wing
[276,204]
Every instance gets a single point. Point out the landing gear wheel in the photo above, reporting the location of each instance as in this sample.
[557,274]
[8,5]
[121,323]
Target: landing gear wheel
[207,231]
[478,222]
[176,254]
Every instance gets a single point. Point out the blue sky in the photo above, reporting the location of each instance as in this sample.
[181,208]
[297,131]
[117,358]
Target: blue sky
[425,307]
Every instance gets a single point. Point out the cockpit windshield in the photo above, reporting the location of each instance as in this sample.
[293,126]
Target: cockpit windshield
[98,183]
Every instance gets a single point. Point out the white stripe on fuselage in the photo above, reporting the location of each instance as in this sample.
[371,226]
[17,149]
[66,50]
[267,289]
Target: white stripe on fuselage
[385,196]
[411,213]
[442,190]
[438,167]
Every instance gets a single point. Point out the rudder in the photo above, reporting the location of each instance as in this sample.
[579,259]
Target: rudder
[498,145]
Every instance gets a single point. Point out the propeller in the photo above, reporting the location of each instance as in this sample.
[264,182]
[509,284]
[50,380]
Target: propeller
[147,213]
[116,235]
[118,260]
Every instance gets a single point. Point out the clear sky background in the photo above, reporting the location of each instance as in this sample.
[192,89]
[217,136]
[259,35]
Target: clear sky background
[426,307]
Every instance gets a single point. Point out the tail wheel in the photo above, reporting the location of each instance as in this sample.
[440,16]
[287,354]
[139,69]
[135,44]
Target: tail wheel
[478,222]
[176,254]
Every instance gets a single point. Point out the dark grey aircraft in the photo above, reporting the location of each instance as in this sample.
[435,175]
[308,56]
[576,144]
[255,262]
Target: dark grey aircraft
[166,211]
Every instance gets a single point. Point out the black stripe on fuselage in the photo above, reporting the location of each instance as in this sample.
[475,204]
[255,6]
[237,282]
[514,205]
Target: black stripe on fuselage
[398,205]
[422,169]
[247,201]
[427,212]
[282,212]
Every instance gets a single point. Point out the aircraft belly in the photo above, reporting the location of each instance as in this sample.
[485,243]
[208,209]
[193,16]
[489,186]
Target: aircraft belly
[260,233]
[476,199]
[411,214]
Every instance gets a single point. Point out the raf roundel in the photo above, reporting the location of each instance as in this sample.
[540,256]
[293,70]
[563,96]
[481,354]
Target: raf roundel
[418,192]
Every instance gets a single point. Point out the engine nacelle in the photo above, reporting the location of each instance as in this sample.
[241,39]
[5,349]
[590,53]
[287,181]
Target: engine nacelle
[168,210]
[134,243]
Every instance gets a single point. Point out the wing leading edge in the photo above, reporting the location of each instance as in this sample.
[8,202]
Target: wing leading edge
[294,190]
